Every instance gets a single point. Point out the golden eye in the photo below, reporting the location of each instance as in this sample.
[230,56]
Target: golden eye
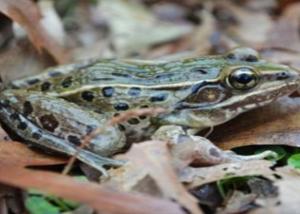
[242,78]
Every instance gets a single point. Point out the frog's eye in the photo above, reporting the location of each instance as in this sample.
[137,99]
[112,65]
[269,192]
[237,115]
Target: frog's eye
[243,54]
[242,78]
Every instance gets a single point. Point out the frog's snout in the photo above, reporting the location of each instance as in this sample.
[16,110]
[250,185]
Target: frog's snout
[294,75]
[289,74]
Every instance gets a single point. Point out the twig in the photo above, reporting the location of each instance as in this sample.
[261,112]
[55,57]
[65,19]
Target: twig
[86,140]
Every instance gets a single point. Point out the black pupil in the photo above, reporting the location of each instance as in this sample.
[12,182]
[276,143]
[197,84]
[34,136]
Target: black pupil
[243,78]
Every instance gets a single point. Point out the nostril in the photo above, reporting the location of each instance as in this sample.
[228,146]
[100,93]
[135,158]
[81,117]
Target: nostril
[282,75]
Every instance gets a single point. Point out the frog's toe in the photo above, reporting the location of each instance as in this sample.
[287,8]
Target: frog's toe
[264,155]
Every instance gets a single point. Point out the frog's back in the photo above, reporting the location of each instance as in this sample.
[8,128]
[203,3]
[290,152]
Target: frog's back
[117,85]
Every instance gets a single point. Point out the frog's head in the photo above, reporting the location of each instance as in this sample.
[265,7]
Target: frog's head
[244,82]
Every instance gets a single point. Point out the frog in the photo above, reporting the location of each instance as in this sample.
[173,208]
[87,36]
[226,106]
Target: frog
[57,108]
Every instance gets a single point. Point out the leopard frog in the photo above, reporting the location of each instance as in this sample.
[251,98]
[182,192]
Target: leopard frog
[57,108]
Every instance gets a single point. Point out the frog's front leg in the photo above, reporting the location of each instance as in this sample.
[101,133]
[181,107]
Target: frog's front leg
[188,148]
[58,125]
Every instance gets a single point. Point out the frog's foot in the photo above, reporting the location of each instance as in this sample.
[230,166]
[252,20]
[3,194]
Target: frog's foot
[96,161]
[189,149]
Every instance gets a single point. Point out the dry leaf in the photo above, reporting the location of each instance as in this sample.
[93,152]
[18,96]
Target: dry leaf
[275,124]
[282,56]
[237,203]
[20,155]
[86,192]
[151,160]
[247,29]
[285,32]
[134,28]
[27,14]
[289,188]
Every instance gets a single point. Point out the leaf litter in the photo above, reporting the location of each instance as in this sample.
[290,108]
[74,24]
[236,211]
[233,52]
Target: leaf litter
[160,176]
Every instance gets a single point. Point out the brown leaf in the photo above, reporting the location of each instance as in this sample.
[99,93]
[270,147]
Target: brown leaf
[151,163]
[289,188]
[27,14]
[238,202]
[3,135]
[130,21]
[275,124]
[246,29]
[86,192]
[20,155]
[285,32]
[283,4]
[282,56]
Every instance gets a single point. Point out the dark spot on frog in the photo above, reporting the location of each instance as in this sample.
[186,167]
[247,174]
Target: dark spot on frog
[200,70]
[120,74]
[22,126]
[133,121]
[142,117]
[88,96]
[134,91]
[214,152]
[90,128]
[14,116]
[67,82]
[251,58]
[164,76]
[32,81]
[121,106]
[45,86]
[36,135]
[231,56]
[27,108]
[103,79]
[108,91]
[121,127]
[54,74]
[246,58]
[49,122]
[158,98]
[74,140]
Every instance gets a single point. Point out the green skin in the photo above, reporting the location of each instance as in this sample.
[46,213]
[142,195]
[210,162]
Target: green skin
[62,105]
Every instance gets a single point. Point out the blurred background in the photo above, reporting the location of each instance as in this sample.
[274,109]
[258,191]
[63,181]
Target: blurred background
[38,34]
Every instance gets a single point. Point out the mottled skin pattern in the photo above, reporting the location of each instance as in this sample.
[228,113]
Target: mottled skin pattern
[60,106]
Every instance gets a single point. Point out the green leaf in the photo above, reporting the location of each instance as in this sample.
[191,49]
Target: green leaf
[52,200]
[227,184]
[39,205]
[294,161]
[63,204]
